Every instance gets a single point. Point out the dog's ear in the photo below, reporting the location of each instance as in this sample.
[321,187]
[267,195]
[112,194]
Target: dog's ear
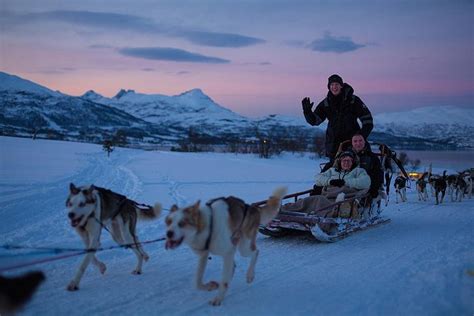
[73,189]
[196,205]
[173,208]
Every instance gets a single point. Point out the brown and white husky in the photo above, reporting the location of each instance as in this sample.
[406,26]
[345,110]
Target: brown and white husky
[220,227]
[90,208]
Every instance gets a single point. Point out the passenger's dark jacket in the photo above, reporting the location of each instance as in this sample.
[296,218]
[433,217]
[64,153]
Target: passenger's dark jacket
[342,112]
[371,163]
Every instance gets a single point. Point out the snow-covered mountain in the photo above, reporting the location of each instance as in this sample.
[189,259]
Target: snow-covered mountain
[191,108]
[13,83]
[451,125]
[26,107]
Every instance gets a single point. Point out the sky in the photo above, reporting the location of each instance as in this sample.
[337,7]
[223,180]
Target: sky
[253,57]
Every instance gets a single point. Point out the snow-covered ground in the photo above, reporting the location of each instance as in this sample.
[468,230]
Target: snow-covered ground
[418,264]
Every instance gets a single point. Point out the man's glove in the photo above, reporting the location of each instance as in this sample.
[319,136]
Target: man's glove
[307,104]
[337,182]
[317,190]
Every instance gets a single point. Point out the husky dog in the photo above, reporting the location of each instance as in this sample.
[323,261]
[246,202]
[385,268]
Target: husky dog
[387,167]
[90,208]
[220,227]
[460,187]
[422,189]
[440,186]
[451,185]
[468,179]
[400,185]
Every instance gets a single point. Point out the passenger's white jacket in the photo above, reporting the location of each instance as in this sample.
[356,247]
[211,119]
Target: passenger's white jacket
[357,178]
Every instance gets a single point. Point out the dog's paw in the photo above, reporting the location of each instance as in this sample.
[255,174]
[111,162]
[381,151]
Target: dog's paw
[102,268]
[72,287]
[211,286]
[146,257]
[216,301]
[137,272]
[250,277]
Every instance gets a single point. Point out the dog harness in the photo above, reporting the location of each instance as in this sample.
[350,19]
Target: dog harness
[234,234]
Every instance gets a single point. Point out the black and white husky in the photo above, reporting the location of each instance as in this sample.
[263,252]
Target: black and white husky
[462,186]
[422,189]
[440,186]
[400,185]
[451,185]
[90,208]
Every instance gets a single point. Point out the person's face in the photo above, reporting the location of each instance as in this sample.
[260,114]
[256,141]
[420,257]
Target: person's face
[335,88]
[346,163]
[358,143]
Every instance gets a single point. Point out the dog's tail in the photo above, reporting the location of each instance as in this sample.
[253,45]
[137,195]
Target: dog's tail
[148,212]
[271,208]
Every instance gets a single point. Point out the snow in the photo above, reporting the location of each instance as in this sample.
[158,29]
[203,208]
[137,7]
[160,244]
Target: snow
[415,265]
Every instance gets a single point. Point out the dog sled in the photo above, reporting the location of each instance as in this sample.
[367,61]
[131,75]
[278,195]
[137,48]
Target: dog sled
[348,216]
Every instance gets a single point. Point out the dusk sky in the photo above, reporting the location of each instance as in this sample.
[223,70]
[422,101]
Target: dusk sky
[253,57]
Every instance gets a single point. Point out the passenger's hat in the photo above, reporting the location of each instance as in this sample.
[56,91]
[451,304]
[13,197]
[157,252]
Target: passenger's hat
[335,78]
[348,153]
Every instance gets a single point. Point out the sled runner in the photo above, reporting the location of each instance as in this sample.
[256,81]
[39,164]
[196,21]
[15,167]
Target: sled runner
[348,216]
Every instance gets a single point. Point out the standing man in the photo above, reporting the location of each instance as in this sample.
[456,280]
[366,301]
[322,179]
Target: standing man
[342,109]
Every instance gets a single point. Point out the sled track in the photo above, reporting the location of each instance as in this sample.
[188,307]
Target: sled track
[44,203]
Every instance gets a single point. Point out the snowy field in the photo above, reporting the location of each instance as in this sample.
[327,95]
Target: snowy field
[418,264]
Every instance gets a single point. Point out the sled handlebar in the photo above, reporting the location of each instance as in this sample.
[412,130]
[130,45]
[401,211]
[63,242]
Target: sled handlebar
[292,195]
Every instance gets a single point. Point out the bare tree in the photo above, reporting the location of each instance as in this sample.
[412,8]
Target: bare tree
[108,147]
[403,157]
[415,164]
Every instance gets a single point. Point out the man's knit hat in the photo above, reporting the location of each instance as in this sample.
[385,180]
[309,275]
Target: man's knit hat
[335,78]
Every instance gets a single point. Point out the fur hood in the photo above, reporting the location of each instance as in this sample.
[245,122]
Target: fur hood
[337,162]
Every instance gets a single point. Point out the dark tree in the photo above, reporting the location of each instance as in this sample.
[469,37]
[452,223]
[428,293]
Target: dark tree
[108,146]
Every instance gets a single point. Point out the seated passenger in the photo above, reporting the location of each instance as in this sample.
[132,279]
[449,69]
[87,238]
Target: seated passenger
[370,162]
[344,177]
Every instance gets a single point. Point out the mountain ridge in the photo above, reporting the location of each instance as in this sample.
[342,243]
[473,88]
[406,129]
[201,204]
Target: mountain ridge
[159,117]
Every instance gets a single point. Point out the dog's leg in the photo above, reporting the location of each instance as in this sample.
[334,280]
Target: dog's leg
[227,273]
[93,230]
[248,248]
[145,256]
[131,239]
[210,286]
[85,238]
